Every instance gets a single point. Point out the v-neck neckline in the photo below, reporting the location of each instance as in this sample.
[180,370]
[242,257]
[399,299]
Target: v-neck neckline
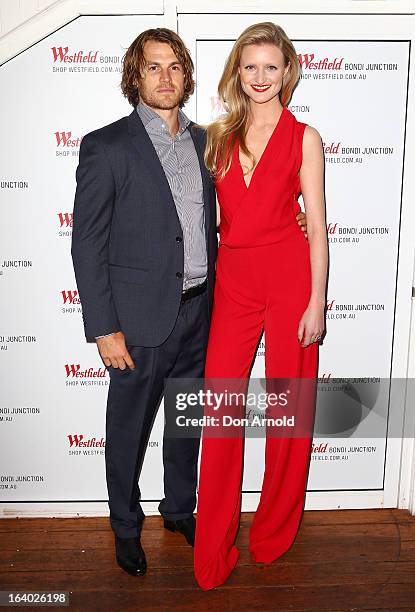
[247,187]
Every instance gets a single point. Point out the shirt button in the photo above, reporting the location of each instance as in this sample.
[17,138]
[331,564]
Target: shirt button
[179,274]
[179,239]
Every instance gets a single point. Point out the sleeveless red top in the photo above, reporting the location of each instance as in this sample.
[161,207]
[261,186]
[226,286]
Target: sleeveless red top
[264,212]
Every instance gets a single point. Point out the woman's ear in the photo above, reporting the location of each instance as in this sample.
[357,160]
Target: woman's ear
[287,68]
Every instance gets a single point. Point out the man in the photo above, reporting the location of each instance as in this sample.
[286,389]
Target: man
[144,247]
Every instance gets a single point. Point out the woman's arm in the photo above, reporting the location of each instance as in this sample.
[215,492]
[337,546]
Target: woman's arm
[217,212]
[312,186]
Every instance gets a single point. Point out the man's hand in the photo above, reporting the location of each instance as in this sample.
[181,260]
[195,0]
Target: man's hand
[302,222]
[114,352]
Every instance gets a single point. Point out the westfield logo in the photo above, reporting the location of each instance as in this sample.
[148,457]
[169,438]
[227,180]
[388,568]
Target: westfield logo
[307,61]
[319,448]
[65,139]
[65,219]
[70,297]
[79,441]
[73,370]
[61,54]
[324,378]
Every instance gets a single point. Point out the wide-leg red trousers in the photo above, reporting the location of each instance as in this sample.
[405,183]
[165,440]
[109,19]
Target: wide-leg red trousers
[259,288]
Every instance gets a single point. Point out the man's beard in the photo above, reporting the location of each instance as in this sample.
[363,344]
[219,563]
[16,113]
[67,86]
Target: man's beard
[161,101]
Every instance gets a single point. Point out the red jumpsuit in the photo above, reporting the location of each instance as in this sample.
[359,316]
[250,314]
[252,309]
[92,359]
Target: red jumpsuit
[263,283]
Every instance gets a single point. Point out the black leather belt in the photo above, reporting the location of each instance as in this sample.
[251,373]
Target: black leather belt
[194,291]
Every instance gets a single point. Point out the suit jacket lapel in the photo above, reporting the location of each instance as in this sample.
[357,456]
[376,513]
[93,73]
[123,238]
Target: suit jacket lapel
[142,143]
[145,149]
[206,180]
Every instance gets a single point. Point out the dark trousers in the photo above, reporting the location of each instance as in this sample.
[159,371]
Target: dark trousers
[133,399]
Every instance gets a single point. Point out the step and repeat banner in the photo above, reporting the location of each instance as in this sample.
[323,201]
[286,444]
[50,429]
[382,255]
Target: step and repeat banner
[54,386]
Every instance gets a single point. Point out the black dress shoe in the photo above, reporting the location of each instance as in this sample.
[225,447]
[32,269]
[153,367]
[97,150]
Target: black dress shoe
[130,556]
[185,526]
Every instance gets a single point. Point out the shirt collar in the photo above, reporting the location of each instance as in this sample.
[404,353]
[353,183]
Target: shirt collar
[152,120]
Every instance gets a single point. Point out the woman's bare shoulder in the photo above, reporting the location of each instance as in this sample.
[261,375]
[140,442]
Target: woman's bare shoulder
[312,143]
[311,136]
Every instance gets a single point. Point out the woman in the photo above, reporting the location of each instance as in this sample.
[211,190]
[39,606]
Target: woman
[268,278]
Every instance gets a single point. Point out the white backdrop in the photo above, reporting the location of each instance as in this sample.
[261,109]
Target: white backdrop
[51,423]
[50,106]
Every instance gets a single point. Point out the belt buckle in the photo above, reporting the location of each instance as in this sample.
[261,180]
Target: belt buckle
[185,295]
[193,291]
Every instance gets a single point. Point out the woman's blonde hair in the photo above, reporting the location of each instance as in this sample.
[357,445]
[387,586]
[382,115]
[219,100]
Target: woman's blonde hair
[223,133]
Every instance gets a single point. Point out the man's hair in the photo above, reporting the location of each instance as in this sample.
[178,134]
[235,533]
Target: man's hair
[134,63]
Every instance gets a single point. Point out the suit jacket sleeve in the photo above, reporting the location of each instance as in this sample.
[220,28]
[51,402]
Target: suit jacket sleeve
[92,214]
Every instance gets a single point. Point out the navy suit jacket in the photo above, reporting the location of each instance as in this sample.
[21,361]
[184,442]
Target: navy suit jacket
[126,247]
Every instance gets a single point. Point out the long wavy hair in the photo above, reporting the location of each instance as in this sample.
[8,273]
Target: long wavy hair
[225,131]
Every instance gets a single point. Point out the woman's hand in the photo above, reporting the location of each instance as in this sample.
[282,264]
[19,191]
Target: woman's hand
[311,326]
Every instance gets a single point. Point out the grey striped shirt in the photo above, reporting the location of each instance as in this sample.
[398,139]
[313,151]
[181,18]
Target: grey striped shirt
[180,163]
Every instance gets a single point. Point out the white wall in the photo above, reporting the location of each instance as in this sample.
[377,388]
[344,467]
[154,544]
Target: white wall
[24,22]
[14,13]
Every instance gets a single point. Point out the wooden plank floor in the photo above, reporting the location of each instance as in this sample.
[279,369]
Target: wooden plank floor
[354,560]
